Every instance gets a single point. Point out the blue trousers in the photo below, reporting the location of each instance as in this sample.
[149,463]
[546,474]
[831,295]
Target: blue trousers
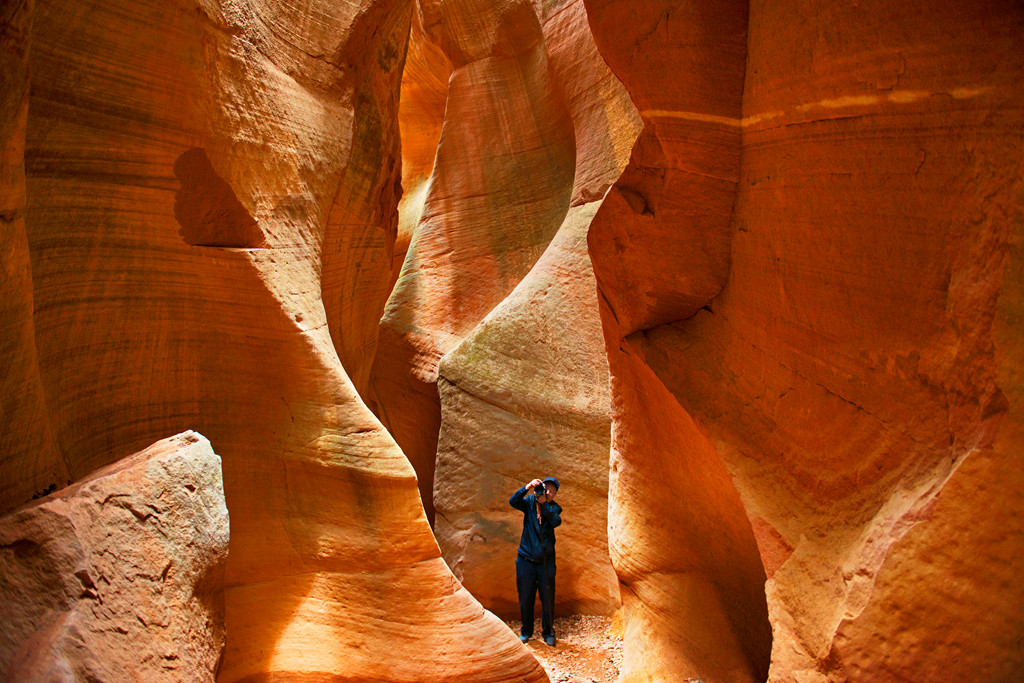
[530,576]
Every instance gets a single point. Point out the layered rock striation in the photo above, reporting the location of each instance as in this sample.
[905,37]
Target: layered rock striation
[499,190]
[692,580]
[205,182]
[30,463]
[526,393]
[745,276]
[837,372]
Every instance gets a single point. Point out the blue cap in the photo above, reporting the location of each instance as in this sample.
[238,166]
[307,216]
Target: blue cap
[552,480]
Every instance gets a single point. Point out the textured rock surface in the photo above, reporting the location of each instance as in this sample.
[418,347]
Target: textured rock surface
[120,576]
[857,376]
[521,401]
[692,580]
[810,298]
[332,570]
[520,397]
[499,191]
[29,463]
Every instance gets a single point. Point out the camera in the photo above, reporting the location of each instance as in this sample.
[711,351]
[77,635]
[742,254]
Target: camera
[539,490]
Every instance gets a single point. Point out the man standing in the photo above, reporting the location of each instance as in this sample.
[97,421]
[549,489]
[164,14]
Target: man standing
[535,563]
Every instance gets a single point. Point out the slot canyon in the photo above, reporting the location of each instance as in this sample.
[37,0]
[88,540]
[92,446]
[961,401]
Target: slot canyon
[297,294]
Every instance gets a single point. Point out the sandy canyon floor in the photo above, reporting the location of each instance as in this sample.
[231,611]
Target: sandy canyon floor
[589,649]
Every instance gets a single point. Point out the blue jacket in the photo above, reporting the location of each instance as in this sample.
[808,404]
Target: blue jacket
[531,546]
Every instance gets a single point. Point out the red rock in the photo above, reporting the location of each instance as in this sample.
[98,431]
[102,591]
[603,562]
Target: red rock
[518,402]
[683,548]
[521,398]
[661,247]
[29,463]
[498,193]
[809,292]
[849,369]
[422,104]
[121,575]
[332,570]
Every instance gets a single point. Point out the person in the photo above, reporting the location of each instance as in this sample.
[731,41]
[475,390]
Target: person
[535,561]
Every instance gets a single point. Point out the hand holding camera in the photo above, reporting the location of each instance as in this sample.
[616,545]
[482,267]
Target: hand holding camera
[538,487]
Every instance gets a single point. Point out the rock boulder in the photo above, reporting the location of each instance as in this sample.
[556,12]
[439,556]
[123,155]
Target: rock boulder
[120,576]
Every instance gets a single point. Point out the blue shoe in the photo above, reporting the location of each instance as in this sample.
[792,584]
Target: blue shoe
[523,639]
[549,641]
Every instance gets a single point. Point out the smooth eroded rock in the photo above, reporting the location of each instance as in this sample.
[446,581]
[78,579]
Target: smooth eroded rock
[519,401]
[526,394]
[30,463]
[498,192]
[680,541]
[859,355]
[141,334]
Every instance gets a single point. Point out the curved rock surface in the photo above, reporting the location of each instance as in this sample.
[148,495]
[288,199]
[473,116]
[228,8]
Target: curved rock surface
[119,577]
[188,168]
[498,193]
[29,464]
[520,398]
[808,276]
[519,401]
[857,377]
[684,551]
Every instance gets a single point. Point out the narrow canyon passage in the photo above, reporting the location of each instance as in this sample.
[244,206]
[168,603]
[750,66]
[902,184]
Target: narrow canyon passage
[297,295]
[472,374]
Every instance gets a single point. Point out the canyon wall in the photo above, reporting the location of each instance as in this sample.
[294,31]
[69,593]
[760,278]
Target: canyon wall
[30,464]
[815,373]
[746,277]
[525,394]
[188,170]
[499,190]
[682,546]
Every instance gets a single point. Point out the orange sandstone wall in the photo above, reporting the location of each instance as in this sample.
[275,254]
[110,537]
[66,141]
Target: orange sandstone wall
[421,108]
[795,324]
[901,376]
[692,581]
[519,401]
[119,576]
[850,396]
[498,192]
[526,393]
[189,167]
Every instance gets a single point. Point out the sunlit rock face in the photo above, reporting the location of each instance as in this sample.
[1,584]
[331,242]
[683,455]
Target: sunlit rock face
[812,414]
[754,269]
[120,572]
[526,393]
[500,188]
[209,186]
[518,402]
[684,551]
